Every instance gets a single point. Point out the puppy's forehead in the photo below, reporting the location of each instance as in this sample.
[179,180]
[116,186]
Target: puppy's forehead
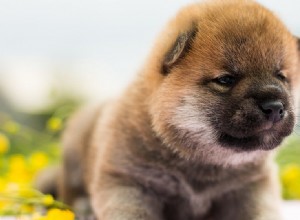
[238,39]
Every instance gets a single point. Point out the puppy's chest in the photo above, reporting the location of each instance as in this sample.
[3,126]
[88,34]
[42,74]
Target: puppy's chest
[194,188]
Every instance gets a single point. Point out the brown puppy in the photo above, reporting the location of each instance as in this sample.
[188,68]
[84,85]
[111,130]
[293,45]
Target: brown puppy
[191,137]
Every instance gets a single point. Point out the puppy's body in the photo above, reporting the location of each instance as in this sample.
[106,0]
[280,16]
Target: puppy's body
[190,138]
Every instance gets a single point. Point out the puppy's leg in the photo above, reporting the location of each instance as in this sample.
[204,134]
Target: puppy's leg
[124,202]
[257,201]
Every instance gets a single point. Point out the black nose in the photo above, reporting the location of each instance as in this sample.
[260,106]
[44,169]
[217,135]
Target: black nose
[274,110]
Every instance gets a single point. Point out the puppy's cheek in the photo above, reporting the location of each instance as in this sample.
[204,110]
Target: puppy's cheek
[184,123]
[194,137]
[192,117]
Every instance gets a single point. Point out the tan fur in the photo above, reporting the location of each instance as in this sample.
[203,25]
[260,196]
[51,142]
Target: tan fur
[154,153]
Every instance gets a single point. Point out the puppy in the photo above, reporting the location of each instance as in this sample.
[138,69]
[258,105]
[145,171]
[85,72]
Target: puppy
[191,137]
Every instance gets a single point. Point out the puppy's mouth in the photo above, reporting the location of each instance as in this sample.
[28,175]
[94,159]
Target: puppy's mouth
[239,143]
[264,135]
[264,140]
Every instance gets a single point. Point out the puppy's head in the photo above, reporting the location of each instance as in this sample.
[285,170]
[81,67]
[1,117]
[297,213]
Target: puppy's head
[227,81]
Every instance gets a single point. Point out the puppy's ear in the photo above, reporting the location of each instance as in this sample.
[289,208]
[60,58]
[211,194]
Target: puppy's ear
[178,50]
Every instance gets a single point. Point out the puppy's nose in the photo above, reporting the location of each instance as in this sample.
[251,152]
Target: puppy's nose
[274,110]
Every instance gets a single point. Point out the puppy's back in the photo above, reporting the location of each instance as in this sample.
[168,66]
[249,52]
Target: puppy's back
[76,140]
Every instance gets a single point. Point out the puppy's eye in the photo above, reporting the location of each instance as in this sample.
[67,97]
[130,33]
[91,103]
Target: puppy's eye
[281,76]
[226,80]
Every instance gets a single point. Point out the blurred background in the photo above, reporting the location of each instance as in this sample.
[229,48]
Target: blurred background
[58,54]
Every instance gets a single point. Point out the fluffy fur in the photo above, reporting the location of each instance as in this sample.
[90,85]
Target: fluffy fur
[179,143]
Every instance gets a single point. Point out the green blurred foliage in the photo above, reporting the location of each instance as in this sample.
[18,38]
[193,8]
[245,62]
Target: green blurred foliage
[25,150]
[288,159]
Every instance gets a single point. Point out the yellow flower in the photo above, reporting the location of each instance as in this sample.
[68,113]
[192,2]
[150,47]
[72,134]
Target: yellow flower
[290,173]
[3,184]
[290,177]
[38,160]
[4,144]
[3,204]
[48,200]
[17,162]
[54,124]
[54,214]
[60,214]
[18,170]
[11,127]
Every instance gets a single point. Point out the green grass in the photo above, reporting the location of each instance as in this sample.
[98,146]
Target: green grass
[289,153]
